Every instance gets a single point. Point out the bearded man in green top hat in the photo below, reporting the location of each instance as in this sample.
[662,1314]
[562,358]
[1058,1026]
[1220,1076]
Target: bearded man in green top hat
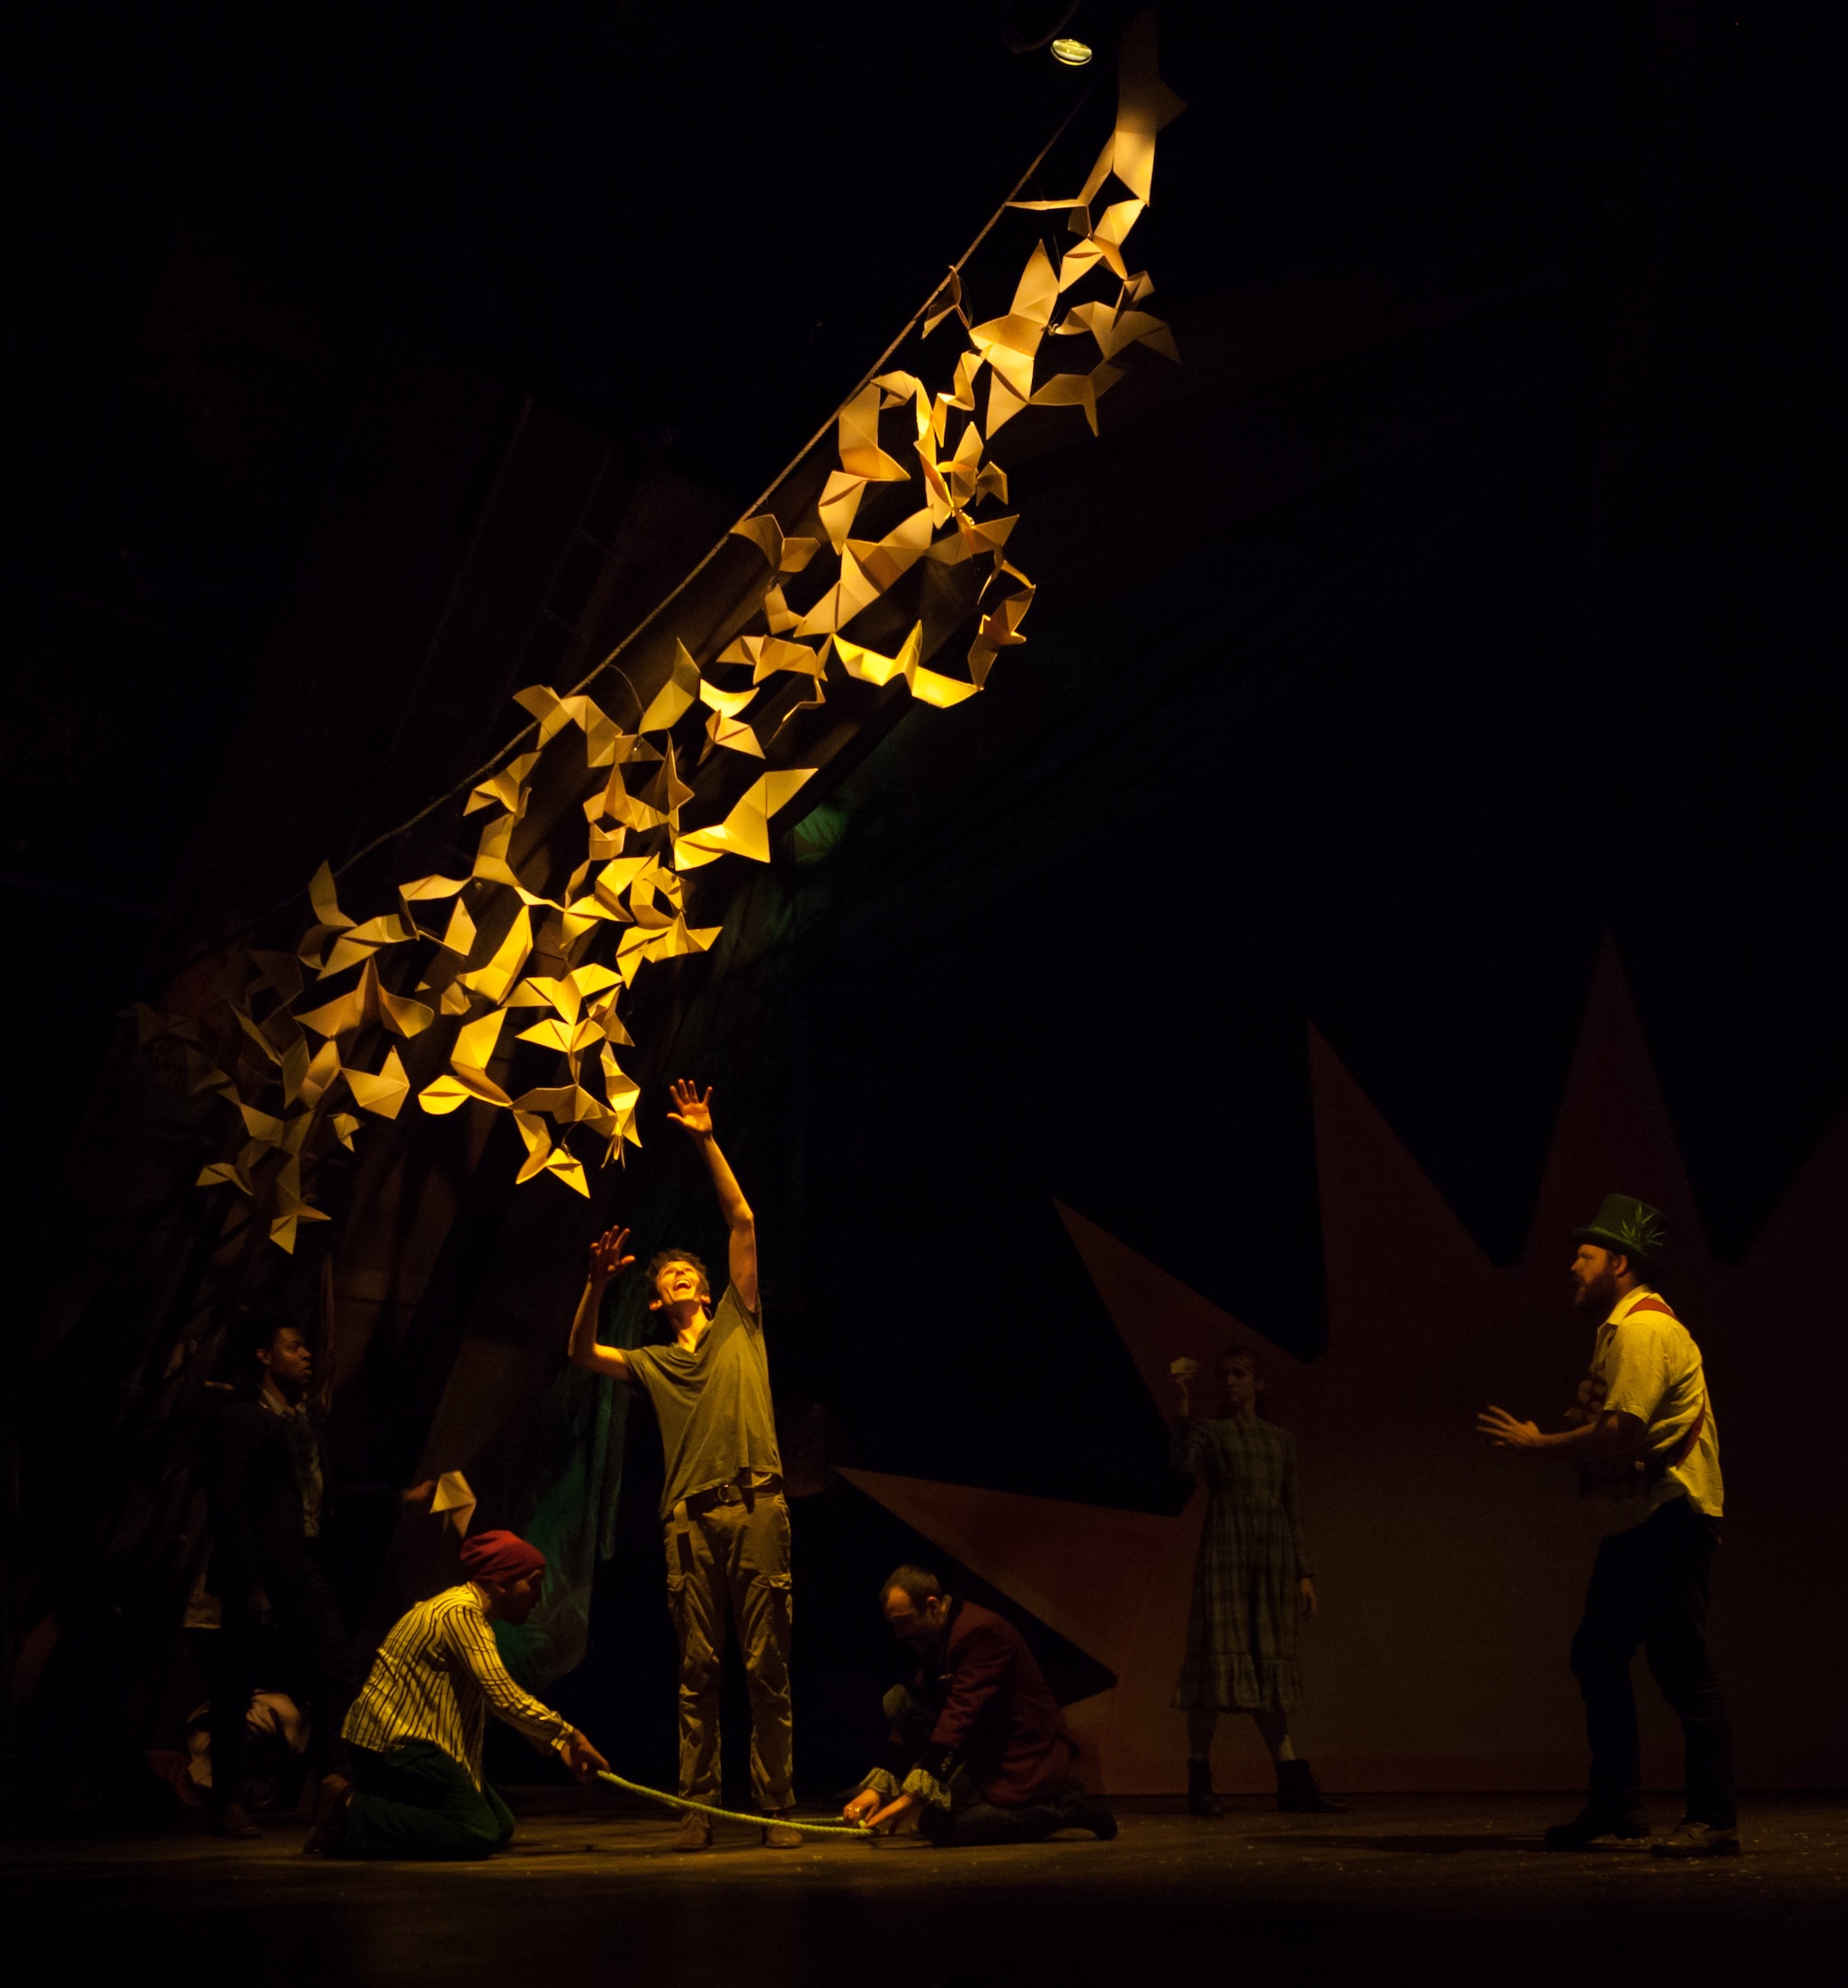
[1643,1436]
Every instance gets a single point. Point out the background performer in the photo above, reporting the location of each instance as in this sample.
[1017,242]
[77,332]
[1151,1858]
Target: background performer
[979,1751]
[1642,1433]
[1251,1586]
[265,1489]
[727,1524]
[415,1730]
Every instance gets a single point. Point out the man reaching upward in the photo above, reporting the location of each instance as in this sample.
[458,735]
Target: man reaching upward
[727,1526]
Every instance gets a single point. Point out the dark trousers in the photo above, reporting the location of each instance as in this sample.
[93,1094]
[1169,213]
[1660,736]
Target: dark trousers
[972,1819]
[417,1801]
[1649,1589]
[304,1650]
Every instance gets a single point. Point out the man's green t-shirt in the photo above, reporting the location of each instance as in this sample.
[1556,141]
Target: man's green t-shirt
[713,1403]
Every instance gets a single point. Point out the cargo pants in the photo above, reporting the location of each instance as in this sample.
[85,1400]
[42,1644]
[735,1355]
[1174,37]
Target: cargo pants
[728,1559]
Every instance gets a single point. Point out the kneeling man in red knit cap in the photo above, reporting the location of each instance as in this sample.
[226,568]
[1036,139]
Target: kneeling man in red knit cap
[415,1730]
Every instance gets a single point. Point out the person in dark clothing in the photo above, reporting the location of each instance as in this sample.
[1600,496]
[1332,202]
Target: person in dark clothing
[265,1483]
[978,1750]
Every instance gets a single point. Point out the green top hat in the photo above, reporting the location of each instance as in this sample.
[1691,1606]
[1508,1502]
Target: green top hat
[1627,1225]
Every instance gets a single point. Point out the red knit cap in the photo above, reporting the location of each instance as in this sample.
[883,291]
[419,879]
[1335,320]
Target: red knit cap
[501,1557]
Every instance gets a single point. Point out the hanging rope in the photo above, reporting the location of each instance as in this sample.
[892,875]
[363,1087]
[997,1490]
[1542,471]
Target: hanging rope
[731,1814]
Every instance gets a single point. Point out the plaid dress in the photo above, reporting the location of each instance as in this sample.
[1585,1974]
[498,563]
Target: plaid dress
[1241,1628]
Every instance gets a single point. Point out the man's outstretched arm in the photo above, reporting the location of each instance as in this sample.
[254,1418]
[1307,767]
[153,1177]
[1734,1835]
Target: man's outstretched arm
[695,1113]
[606,1261]
[1613,1435]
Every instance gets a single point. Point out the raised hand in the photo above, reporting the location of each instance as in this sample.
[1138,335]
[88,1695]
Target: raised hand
[606,1258]
[1505,1432]
[691,1110]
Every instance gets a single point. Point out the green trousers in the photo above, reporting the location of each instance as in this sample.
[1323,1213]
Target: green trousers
[417,1801]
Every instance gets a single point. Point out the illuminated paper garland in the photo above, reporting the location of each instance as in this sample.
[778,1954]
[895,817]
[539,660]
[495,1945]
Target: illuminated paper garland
[626,896]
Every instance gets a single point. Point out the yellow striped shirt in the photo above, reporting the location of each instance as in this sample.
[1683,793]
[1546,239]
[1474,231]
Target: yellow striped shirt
[436,1678]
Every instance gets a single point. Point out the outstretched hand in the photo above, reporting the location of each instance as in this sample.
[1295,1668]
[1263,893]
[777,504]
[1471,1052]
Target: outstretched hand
[1505,1432]
[606,1258]
[691,1110]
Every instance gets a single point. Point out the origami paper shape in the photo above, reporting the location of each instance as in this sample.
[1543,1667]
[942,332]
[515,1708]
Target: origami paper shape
[604,739]
[425,890]
[838,503]
[453,1502]
[1079,390]
[506,789]
[368,1003]
[295,1066]
[1000,626]
[382,1095]
[765,654]
[733,734]
[345,1125]
[224,1170]
[1009,344]
[281,972]
[543,1157]
[951,290]
[675,697]
[785,555]
[491,853]
[974,540]
[745,830]
[476,1043]
[493,981]
[148,1025]
[884,560]
[861,455]
[203,1076]
[1114,327]
[853,592]
[926,685]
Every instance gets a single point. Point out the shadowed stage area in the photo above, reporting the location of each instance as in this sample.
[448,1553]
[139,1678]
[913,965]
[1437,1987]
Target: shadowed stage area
[1406,1888]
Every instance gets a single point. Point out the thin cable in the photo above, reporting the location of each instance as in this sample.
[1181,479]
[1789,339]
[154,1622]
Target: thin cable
[731,1814]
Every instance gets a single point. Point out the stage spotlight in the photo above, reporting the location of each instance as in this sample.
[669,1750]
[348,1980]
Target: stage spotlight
[1073,54]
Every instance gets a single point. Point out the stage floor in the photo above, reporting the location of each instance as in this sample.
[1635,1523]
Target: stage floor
[1401,1888]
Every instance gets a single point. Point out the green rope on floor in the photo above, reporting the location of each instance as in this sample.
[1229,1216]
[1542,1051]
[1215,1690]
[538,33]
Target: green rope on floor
[731,1814]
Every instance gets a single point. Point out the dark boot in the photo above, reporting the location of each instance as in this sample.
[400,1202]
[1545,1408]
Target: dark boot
[1200,1796]
[1595,1824]
[1296,1793]
[1075,1809]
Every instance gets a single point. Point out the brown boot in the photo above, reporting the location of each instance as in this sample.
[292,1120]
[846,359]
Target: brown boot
[1297,1795]
[696,1832]
[779,1836]
[231,1818]
[1201,1800]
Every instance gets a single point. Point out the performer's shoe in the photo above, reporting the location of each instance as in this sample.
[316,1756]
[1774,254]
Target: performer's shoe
[327,1836]
[1697,1839]
[779,1836]
[1084,1811]
[696,1832]
[1593,1825]
[1297,1795]
[231,1818]
[1201,1800]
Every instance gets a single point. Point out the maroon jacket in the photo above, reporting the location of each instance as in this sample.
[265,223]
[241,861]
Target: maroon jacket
[992,1712]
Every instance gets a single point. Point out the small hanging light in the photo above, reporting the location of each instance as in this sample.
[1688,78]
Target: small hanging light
[1073,54]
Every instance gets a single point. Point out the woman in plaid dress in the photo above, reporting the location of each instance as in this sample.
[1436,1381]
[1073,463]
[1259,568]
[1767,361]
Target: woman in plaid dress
[1251,1586]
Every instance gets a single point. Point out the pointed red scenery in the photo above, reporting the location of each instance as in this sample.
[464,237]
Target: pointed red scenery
[1450,1574]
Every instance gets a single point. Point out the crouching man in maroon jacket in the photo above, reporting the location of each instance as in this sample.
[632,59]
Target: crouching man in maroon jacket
[978,1751]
